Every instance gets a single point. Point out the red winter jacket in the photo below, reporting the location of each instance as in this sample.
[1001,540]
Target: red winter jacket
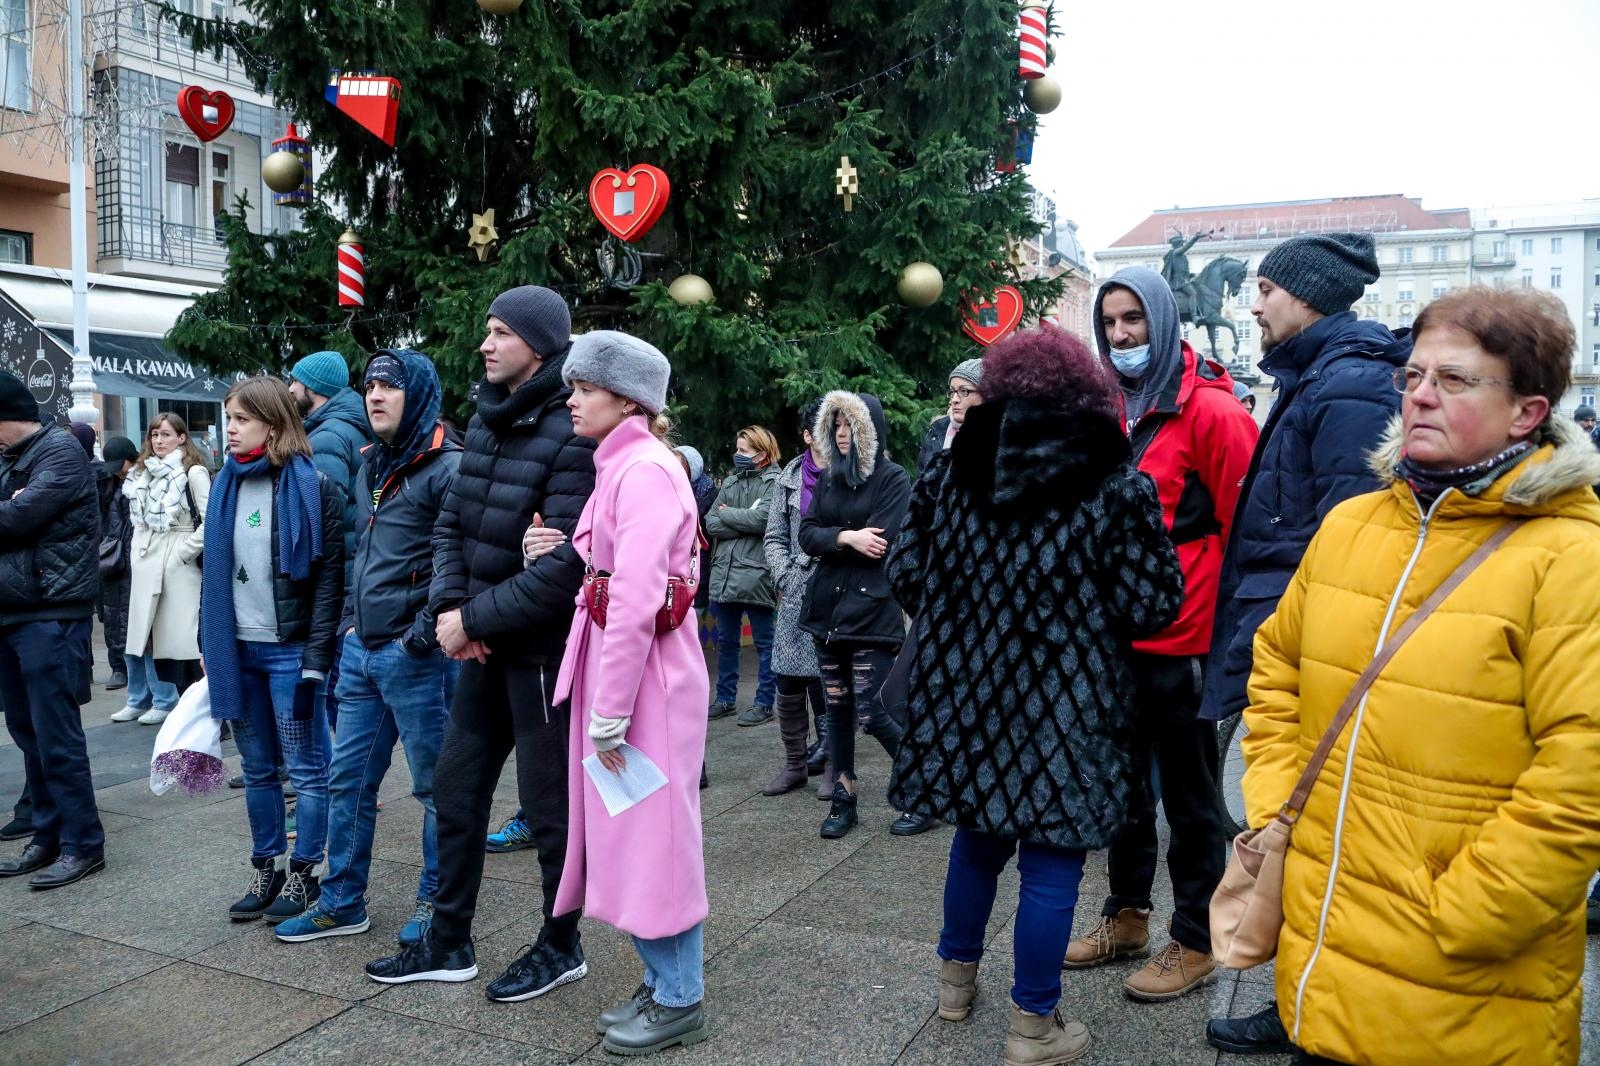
[1196,446]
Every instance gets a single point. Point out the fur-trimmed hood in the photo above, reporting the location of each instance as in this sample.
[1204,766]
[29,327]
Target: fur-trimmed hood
[868,427]
[1565,460]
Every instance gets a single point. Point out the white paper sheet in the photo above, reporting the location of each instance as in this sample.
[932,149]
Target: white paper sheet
[638,779]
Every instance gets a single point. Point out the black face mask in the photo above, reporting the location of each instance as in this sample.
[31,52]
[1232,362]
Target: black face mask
[743,463]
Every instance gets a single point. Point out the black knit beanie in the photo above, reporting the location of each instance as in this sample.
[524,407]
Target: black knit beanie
[1329,271]
[16,402]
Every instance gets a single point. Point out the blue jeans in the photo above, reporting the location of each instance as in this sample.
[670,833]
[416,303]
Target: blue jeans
[1050,879]
[384,694]
[268,674]
[675,966]
[145,689]
[728,616]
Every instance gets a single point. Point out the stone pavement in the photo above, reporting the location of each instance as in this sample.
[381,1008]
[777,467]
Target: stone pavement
[817,951]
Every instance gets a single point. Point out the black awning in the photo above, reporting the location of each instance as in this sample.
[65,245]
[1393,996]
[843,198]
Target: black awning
[144,366]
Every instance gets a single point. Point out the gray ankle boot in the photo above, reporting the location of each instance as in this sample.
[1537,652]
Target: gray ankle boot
[656,1028]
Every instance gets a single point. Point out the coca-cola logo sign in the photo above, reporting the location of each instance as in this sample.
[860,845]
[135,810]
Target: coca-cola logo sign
[42,381]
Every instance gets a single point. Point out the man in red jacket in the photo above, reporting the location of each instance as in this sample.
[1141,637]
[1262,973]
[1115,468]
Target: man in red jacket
[1194,440]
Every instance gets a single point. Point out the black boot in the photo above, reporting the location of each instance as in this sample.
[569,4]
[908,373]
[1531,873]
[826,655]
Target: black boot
[265,884]
[817,754]
[842,815]
[300,890]
[1261,1033]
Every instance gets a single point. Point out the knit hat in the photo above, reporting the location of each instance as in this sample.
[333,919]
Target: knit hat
[120,450]
[324,373]
[1329,271]
[387,368]
[16,402]
[538,316]
[84,433]
[620,363]
[969,370]
[1583,411]
[697,462]
[1240,390]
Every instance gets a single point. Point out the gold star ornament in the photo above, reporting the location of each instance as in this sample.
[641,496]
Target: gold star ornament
[846,182]
[483,234]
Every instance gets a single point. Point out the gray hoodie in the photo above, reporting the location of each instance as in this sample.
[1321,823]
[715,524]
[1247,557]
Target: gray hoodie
[1164,375]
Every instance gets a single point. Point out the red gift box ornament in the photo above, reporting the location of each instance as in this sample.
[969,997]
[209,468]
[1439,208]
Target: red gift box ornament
[207,113]
[371,99]
[629,204]
[352,270]
[986,321]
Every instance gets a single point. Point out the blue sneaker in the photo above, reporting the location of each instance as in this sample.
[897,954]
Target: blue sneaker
[317,923]
[417,924]
[513,836]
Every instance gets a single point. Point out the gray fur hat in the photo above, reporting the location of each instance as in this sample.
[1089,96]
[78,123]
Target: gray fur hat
[620,363]
[970,370]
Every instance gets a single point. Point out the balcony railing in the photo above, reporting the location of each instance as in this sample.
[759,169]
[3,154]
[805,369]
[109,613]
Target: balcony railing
[142,233]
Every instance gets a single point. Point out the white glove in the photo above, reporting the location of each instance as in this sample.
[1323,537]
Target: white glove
[607,733]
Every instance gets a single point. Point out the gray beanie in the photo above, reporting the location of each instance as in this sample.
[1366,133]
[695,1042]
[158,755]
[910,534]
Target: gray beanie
[1329,271]
[697,462]
[1583,411]
[620,363]
[969,370]
[538,316]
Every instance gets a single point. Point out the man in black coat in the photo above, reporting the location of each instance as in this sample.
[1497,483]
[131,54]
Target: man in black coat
[506,620]
[49,578]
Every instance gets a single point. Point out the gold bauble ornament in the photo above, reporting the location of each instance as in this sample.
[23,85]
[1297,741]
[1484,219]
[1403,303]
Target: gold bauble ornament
[690,289]
[1042,95]
[499,7]
[921,284]
[283,171]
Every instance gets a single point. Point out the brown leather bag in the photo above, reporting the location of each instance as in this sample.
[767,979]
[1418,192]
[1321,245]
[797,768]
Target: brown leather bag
[1247,908]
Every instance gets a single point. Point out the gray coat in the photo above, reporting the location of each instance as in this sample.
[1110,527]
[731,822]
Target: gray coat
[736,524]
[794,651]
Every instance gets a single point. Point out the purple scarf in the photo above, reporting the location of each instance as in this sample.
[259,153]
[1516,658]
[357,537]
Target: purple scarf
[809,472]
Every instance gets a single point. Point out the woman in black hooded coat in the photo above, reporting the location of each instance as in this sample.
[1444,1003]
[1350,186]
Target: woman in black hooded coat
[1033,555]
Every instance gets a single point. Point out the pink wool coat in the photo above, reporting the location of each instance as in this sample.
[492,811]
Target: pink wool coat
[642,871]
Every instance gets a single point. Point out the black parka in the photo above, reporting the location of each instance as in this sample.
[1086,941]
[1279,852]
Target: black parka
[49,530]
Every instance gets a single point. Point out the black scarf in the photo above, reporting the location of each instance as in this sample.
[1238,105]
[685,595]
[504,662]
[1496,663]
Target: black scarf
[1470,480]
[500,407]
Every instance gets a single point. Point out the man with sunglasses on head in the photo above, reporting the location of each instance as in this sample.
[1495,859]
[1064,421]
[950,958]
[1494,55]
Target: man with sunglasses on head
[1335,397]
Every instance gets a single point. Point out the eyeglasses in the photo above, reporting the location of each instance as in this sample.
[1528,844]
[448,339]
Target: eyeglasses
[1447,380]
[962,393]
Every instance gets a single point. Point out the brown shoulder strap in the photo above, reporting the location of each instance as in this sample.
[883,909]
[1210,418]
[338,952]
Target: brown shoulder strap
[1297,800]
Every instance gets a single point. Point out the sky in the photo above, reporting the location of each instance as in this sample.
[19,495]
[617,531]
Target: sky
[1464,104]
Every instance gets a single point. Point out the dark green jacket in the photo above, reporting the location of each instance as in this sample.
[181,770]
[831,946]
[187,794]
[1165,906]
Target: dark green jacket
[737,526]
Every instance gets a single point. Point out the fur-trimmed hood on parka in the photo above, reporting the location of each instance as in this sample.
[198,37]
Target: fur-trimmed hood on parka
[868,430]
[1566,460]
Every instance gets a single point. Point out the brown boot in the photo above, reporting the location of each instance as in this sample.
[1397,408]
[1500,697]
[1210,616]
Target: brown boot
[958,987]
[1174,972]
[792,726]
[1127,936]
[1044,1039]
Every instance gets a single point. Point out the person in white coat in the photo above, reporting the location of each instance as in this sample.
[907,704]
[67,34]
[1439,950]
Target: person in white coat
[167,493]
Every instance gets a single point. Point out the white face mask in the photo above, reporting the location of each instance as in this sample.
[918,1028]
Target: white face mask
[1131,362]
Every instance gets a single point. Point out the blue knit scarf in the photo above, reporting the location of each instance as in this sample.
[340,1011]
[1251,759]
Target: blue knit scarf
[297,511]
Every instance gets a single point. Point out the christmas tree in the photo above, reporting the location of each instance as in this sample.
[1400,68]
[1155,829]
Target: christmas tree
[747,105]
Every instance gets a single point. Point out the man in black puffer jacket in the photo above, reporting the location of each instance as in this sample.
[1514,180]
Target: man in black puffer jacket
[507,621]
[49,579]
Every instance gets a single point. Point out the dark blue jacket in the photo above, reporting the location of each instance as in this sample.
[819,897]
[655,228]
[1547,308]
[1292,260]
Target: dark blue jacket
[1336,397]
[338,430]
[49,530]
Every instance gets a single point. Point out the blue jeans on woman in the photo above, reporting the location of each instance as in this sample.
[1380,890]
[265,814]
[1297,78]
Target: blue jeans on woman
[1050,879]
[268,675]
[730,648]
[384,694]
[145,689]
[674,966]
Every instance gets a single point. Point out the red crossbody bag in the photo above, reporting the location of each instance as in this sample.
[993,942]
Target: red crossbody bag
[680,591]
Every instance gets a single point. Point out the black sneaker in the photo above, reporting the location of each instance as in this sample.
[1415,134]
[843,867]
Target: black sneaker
[1261,1033]
[266,881]
[300,890]
[720,710]
[909,825]
[426,961]
[841,816]
[541,968]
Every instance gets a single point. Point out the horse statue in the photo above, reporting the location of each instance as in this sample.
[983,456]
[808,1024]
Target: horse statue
[1200,300]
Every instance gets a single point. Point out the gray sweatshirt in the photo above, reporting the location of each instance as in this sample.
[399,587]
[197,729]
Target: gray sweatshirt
[255,609]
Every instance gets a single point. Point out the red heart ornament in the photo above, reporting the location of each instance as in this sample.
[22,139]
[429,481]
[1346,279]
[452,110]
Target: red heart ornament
[986,321]
[192,104]
[629,204]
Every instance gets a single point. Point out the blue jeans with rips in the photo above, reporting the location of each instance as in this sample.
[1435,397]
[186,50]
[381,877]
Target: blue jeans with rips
[384,694]
[675,966]
[268,674]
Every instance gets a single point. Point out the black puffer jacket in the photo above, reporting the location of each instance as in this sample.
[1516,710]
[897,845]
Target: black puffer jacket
[848,597]
[521,458]
[1033,555]
[49,530]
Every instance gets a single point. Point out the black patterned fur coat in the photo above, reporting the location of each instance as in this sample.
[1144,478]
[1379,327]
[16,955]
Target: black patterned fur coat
[1033,554]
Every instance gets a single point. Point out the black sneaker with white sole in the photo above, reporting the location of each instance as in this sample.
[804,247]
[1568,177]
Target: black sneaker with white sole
[426,961]
[541,968]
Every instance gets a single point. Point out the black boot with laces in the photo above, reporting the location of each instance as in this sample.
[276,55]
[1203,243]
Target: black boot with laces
[841,815]
[266,881]
[300,891]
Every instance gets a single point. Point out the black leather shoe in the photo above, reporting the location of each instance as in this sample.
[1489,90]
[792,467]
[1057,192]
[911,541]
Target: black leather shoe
[909,825]
[424,961]
[17,829]
[66,870]
[841,816]
[1261,1033]
[817,757]
[33,857]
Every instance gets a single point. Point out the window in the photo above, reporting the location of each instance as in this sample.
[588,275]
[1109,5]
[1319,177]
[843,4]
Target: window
[1555,245]
[1499,249]
[1246,331]
[221,187]
[182,187]
[1527,279]
[16,55]
[1403,255]
[187,7]
[1441,253]
[16,247]
[1405,319]
[1440,287]
[1527,246]
[1555,277]
[1594,358]
[1242,297]
[1586,397]
[1597,278]
[1373,296]
[1405,291]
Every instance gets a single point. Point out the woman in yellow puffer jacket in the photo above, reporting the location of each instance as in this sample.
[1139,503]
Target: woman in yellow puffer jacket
[1434,889]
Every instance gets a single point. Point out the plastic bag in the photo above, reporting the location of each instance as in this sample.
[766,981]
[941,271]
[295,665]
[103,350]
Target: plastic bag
[188,749]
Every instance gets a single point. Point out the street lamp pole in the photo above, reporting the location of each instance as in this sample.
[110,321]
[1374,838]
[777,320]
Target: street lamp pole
[82,386]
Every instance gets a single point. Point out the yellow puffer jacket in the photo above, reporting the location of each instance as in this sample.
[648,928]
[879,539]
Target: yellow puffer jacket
[1434,890]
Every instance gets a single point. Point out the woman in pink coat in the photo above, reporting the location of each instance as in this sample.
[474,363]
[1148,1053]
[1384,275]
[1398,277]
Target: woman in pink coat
[641,870]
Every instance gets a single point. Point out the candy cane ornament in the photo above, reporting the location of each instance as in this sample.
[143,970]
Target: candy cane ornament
[352,271]
[1032,30]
